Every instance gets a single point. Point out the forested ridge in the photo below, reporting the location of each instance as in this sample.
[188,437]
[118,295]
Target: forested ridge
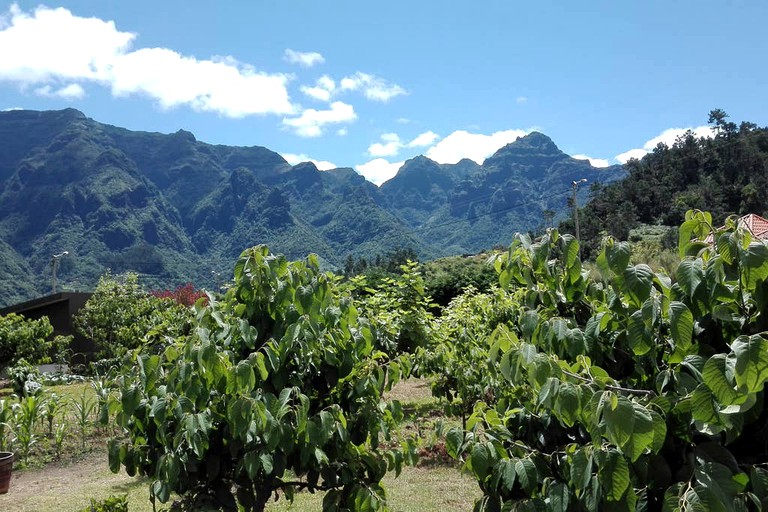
[724,174]
[177,210]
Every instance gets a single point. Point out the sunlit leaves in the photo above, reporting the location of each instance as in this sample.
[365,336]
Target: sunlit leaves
[635,389]
[751,369]
[280,374]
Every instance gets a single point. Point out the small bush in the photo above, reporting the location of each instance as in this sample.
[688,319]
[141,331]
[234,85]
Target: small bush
[110,504]
[23,373]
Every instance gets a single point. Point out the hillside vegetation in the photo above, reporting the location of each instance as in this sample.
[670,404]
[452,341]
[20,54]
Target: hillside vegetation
[178,210]
[726,175]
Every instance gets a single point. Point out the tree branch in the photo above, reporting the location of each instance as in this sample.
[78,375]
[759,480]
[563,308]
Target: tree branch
[629,391]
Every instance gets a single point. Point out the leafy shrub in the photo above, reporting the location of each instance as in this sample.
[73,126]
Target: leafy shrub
[627,392]
[456,356]
[277,388]
[447,278]
[28,339]
[120,313]
[109,504]
[398,307]
[21,374]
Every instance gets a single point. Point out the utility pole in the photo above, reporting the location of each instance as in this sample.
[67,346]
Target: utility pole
[575,185]
[54,264]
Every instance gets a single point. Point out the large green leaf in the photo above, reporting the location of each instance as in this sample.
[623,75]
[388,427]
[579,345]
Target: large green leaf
[681,328]
[481,461]
[716,379]
[755,264]
[613,473]
[581,468]
[642,438]
[558,497]
[619,420]
[526,474]
[638,281]
[638,337]
[617,255]
[751,370]
[690,274]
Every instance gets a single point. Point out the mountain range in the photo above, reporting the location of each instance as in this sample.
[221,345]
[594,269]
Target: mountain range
[178,210]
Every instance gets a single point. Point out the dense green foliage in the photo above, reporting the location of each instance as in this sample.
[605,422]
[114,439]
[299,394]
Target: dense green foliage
[628,391]
[397,307]
[120,313]
[108,504]
[456,356]
[277,388]
[28,339]
[447,278]
[726,174]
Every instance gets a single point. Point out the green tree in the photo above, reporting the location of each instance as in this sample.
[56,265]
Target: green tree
[278,388]
[398,307]
[628,390]
[120,313]
[28,339]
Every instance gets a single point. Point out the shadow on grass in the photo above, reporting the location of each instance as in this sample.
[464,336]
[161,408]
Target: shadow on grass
[132,485]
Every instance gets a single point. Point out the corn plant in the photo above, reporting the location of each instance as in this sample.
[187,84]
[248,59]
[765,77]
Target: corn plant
[29,412]
[84,409]
[102,386]
[52,406]
[7,422]
[59,436]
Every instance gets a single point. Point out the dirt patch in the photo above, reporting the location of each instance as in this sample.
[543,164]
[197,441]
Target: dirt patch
[66,487]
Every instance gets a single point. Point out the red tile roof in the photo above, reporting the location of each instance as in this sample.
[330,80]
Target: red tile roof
[755,224]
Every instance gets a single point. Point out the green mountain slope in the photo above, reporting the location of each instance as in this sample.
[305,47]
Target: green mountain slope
[466,207]
[178,210]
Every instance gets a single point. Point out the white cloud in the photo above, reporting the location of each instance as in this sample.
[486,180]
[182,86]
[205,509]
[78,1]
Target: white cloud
[11,109]
[668,137]
[68,92]
[305,59]
[389,146]
[632,153]
[48,46]
[521,100]
[378,170]
[373,87]
[311,122]
[205,85]
[595,162]
[342,132]
[323,89]
[475,146]
[403,120]
[323,165]
[424,139]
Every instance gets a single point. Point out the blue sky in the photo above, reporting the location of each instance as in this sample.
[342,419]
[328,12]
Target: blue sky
[368,85]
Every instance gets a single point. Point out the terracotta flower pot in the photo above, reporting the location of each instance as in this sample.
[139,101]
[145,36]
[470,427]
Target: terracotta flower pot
[6,467]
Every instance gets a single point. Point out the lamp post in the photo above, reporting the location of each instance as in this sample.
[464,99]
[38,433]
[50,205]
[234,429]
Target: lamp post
[55,263]
[575,185]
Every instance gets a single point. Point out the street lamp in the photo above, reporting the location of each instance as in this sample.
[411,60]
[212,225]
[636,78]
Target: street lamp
[575,185]
[55,263]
